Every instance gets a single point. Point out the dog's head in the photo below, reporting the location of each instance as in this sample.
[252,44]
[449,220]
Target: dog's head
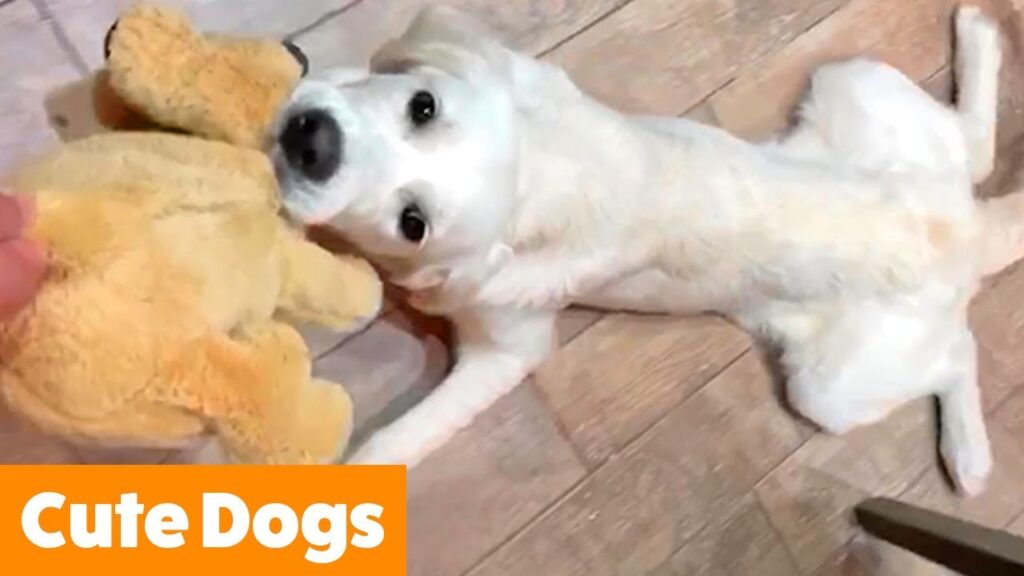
[414,160]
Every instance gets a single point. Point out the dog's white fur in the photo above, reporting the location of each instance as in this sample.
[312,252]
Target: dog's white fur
[853,242]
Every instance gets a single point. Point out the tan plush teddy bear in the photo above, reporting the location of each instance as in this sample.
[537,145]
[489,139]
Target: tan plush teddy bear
[170,269]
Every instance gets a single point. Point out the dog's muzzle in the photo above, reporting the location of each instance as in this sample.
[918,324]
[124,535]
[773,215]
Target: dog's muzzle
[313,144]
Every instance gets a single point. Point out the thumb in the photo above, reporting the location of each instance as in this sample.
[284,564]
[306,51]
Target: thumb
[22,267]
[16,214]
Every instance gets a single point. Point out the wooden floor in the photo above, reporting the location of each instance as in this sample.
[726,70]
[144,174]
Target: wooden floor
[645,445]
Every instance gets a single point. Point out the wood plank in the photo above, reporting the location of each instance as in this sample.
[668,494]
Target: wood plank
[867,556]
[34,65]
[389,367]
[1000,503]
[884,458]
[665,56]
[761,101]
[940,85]
[746,545]
[1017,527]
[913,35]
[702,113]
[1007,175]
[634,513]
[622,375]
[486,483]
[209,452]
[811,511]
[86,21]
[1010,414]
[572,322]
[998,322]
[321,341]
[532,26]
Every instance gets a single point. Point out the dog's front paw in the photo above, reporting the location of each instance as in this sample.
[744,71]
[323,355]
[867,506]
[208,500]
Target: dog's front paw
[399,445]
[387,448]
[972,24]
[377,450]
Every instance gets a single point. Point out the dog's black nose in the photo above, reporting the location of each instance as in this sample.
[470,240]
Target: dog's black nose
[312,143]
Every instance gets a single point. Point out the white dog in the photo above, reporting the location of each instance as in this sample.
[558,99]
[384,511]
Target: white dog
[486,181]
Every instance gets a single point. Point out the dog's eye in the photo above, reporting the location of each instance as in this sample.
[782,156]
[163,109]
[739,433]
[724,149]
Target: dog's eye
[412,224]
[422,108]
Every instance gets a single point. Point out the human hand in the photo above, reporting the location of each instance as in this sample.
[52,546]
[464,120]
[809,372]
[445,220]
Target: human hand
[22,261]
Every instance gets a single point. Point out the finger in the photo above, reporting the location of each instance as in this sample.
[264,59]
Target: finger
[22,267]
[16,214]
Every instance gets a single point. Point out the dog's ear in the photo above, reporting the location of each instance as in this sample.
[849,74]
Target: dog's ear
[447,39]
[343,75]
[438,36]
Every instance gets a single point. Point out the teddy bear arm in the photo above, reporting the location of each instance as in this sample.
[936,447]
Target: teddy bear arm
[336,291]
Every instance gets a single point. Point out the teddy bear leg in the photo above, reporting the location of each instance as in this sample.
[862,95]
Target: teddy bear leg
[326,417]
[338,292]
[280,415]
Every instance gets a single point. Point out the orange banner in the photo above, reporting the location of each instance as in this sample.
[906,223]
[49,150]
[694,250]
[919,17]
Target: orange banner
[208,519]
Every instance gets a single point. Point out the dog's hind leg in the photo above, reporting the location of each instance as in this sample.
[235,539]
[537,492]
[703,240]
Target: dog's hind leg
[964,443]
[868,114]
[977,63]
[852,367]
[842,395]
[843,379]
[838,403]
[855,367]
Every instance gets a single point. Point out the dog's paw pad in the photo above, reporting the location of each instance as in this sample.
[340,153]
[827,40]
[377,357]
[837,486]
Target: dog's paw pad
[967,16]
[970,471]
[971,486]
[973,23]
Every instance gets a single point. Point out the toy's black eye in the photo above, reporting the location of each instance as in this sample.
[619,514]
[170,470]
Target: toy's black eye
[107,39]
[412,223]
[299,56]
[422,108]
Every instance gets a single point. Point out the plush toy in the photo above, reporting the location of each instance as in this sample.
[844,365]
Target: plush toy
[170,270]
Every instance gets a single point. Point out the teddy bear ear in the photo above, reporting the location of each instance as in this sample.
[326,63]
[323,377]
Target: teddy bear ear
[107,39]
[297,53]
